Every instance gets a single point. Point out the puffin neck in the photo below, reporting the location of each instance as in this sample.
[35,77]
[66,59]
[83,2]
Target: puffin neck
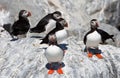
[93,29]
[59,26]
[23,18]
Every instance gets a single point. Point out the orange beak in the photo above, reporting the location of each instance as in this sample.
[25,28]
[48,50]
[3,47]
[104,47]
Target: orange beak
[97,24]
[66,25]
[29,14]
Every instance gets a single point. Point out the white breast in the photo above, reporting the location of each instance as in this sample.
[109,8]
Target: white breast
[93,39]
[50,26]
[54,54]
[61,35]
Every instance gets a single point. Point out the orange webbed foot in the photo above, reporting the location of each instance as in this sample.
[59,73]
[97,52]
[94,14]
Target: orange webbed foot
[50,71]
[60,71]
[99,56]
[90,54]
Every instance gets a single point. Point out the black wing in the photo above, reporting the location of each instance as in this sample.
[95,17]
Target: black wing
[40,27]
[20,27]
[7,27]
[105,35]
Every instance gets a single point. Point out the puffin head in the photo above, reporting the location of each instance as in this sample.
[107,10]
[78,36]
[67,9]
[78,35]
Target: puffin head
[24,14]
[63,22]
[57,15]
[94,24]
[52,39]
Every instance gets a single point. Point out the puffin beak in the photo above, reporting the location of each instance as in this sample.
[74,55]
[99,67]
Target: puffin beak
[66,25]
[97,24]
[29,14]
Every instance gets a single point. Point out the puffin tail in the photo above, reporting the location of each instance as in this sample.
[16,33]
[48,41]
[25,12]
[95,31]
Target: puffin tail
[44,41]
[111,36]
[8,28]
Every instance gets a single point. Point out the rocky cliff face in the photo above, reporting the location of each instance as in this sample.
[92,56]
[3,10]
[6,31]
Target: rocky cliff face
[27,60]
[78,13]
[24,59]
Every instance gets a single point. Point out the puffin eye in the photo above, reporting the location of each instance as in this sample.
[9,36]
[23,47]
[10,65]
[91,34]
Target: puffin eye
[56,16]
[93,23]
[25,11]
[2,30]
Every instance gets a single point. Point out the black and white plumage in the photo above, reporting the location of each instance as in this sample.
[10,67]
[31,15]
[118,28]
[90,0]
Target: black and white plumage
[59,31]
[21,26]
[92,38]
[98,35]
[41,26]
[54,54]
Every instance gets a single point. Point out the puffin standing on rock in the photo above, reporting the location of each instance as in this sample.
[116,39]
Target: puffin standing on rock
[21,26]
[59,31]
[94,37]
[46,22]
[54,55]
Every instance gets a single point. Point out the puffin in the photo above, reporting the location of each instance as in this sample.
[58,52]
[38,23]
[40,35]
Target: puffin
[59,31]
[54,55]
[19,27]
[45,22]
[92,39]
